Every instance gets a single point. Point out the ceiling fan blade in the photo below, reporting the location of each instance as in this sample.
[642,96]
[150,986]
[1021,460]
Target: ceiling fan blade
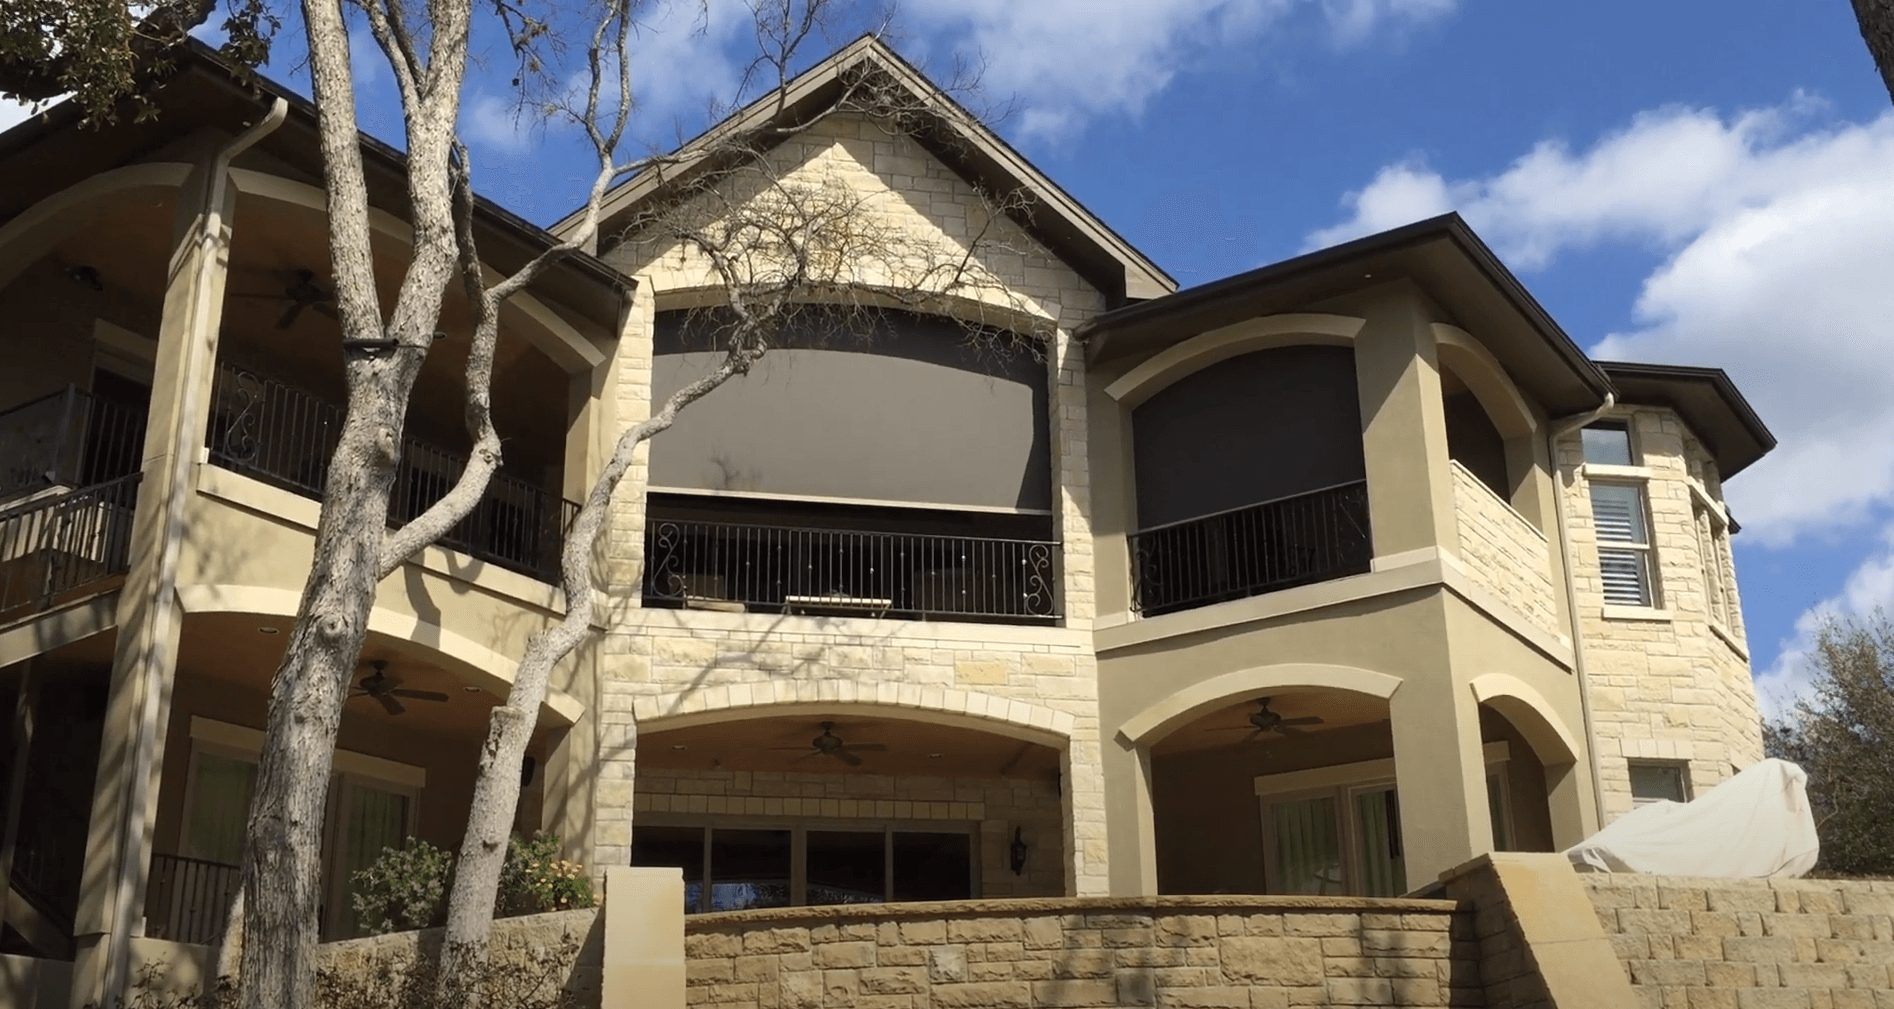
[866,747]
[1288,730]
[388,704]
[1304,720]
[290,315]
[847,758]
[1228,728]
[1253,734]
[327,308]
[419,695]
[806,756]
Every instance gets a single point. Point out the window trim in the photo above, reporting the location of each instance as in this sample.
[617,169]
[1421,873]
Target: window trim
[798,829]
[1682,767]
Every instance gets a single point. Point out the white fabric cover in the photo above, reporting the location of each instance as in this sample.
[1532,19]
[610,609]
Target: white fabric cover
[1755,824]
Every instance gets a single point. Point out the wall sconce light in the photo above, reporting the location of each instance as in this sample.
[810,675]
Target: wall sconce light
[1016,853]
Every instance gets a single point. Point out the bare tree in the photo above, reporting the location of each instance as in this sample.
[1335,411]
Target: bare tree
[780,245]
[1876,18]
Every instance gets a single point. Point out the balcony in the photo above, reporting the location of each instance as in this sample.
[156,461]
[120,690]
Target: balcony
[1503,553]
[274,432]
[1279,544]
[187,898]
[788,569]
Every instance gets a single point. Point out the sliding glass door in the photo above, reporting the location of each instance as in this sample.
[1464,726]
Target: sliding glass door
[734,865]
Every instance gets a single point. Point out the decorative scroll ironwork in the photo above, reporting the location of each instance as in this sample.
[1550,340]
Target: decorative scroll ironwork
[789,569]
[1247,551]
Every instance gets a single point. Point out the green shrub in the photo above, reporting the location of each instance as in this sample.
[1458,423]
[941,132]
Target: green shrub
[407,887]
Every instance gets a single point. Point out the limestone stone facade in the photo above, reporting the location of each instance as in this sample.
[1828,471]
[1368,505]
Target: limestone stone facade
[1189,953]
[1669,683]
[1503,551]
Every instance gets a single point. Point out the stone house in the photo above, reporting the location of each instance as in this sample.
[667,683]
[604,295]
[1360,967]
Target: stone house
[1320,579]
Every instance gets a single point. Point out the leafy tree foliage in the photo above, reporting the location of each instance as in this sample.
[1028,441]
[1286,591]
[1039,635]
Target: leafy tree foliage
[1843,735]
[103,52]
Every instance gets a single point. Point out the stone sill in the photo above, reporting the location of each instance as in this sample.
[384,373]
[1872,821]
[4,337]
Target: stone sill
[1649,614]
[1027,907]
[1597,470]
[1729,638]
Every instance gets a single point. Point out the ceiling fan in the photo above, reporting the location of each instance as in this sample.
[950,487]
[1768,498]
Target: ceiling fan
[1263,720]
[300,291]
[386,690]
[828,744]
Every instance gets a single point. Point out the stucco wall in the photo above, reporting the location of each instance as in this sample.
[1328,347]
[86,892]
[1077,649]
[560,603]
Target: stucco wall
[1188,953]
[1750,943]
[1502,551]
[1665,684]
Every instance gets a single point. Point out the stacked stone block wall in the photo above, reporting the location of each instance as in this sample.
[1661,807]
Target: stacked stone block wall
[1502,551]
[1751,944]
[1173,953]
[994,807]
[1670,683]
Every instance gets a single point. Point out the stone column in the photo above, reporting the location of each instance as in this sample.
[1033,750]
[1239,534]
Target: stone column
[1403,427]
[137,707]
[616,735]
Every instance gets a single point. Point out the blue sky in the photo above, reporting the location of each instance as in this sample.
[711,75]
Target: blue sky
[1691,181]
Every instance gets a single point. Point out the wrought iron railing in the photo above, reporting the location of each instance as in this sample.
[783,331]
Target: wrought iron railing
[187,899]
[283,435]
[785,569]
[69,438]
[1247,551]
[57,545]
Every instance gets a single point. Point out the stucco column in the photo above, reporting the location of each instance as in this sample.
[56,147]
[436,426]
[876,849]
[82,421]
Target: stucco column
[1403,427]
[137,707]
[1440,772]
[1128,818]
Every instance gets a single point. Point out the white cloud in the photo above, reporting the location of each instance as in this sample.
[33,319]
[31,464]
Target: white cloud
[1067,61]
[497,125]
[1773,231]
[1868,589]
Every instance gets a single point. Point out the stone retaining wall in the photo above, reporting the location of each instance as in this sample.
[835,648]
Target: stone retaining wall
[1168,952]
[1751,944]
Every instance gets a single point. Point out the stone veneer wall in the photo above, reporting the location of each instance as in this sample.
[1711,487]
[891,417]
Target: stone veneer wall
[1171,952]
[1667,684]
[1751,944]
[994,805]
[660,662]
[1502,551]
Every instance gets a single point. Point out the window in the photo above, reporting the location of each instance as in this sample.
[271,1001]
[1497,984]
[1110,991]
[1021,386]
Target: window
[1658,782]
[1607,444]
[731,868]
[1712,557]
[1624,544]
[1337,830]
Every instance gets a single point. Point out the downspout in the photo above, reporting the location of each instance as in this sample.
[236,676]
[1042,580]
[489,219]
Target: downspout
[1554,431]
[183,451]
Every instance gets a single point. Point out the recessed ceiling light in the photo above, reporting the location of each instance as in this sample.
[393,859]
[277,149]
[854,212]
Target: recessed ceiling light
[935,756]
[471,690]
[678,746]
[269,630]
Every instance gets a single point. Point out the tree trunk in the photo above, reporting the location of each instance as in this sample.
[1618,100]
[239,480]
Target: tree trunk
[1877,30]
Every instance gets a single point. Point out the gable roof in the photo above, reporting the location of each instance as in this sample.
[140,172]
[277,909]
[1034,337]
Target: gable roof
[1057,220]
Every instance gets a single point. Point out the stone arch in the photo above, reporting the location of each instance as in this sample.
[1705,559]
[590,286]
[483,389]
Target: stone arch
[1194,701]
[1528,710]
[1022,720]
[474,663]
[1205,349]
[1486,379]
[39,227]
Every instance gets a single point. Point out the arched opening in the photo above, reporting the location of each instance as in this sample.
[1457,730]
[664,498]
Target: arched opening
[848,804]
[1516,790]
[1249,477]
[837,477]
[1473,440]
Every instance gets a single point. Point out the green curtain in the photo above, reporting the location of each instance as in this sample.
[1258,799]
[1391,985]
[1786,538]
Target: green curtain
[220,802]
[375,820]
[1308,850]
[1383,871]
